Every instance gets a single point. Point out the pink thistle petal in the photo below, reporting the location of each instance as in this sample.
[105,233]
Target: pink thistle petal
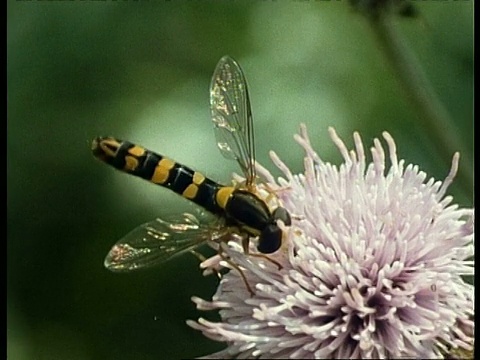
[371,266]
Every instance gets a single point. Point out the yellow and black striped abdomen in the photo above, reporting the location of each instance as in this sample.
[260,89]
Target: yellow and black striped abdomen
[138,161]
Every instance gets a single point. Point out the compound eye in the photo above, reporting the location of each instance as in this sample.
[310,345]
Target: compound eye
[281,213]
[270,239]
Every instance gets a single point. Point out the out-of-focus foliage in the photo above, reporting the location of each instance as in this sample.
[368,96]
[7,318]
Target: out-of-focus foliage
[140,70]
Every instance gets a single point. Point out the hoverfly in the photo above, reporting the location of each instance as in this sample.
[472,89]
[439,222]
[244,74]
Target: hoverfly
[239,209]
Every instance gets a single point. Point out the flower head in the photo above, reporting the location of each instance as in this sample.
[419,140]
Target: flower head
[371,266]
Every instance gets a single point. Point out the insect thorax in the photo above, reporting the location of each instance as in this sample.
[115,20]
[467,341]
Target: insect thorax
[245,208]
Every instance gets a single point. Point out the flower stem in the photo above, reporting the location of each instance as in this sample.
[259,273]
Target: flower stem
[421,95]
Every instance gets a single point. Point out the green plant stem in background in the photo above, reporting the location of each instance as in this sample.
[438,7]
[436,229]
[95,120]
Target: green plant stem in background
[420,93]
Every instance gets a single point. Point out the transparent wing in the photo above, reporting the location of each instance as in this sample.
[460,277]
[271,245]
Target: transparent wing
[232,115]
[159,240]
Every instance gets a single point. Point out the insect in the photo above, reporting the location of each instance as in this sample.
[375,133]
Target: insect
[238,209]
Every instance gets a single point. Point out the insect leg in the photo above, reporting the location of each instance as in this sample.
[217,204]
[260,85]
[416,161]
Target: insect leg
[240,271]
[245,244]
[202,259]
[266,257]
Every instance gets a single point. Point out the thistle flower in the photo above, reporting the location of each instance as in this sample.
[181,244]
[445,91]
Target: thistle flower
[371,266]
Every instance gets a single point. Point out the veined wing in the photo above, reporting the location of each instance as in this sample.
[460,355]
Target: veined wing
[158,241]
[232,115]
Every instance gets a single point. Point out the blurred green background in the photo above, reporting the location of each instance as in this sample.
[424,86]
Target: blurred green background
[140,70]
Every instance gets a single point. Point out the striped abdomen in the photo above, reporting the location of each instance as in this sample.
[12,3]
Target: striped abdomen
[138,161]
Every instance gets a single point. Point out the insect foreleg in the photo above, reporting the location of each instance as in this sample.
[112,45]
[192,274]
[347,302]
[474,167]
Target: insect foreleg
[266,257]
[245,246]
